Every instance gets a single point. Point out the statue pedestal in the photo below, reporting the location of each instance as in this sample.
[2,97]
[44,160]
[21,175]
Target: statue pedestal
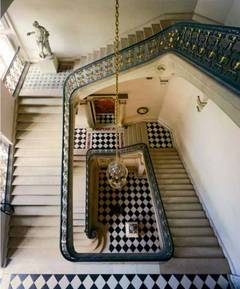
[49,65]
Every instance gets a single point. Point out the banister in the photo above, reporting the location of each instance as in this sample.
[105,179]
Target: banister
[213,49]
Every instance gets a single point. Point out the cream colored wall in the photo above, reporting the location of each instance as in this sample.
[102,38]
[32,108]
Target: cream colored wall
[141,92]
[209,143]
[6,113]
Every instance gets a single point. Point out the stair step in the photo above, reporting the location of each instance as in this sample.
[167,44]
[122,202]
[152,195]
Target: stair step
[198,252]
[169,171]
[110,49]
[39,143]
[35,101]
[37,190]
[172,181]
[177,193]
[167,166]
[163,157]
[185,214]
[37,210]
[139,35]
[195,241]
[175,223]
[159,161]
[40,109]
[29,126]
[47,243]
[103,52]
[132,39]
[37,162]
[170,187]
[37,180]
[191,231]
[147,32]
[36,200]
[44,135]
[182,207]
[43,221]
[124,43]
[172,175]
[37,171]
[44,118]
[44,232]
[180,200]
[156,28]
[40,153]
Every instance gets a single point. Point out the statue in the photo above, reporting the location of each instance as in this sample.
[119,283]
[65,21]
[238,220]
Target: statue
[41,35]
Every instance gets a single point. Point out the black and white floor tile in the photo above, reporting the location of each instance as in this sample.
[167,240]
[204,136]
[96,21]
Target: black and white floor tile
[135,202]
[158,136]
[117,281]
[105,118]
[80,138]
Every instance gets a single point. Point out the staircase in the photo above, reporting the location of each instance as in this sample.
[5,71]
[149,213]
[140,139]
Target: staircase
[36,184]
[131,39]
[194,240]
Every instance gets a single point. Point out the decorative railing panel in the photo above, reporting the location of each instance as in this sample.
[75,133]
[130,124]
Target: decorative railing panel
[211,48]
[14,72]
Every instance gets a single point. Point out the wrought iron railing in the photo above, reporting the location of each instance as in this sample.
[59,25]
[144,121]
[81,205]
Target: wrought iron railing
[14,72]
[213,49]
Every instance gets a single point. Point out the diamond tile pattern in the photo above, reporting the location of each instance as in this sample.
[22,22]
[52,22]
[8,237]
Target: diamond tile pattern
[135,202]
[105,118]
[80,138]
[158,136]
[117,281]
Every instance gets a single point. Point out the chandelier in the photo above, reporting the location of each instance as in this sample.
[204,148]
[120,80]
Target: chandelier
[117,172]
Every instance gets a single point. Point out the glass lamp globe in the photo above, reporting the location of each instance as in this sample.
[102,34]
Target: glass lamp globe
[117,174]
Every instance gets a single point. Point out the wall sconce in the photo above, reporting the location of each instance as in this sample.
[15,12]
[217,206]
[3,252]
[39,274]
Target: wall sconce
[200,104]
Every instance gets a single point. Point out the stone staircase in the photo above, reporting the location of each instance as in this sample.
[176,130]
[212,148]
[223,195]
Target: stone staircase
[193,237]
[36,183]
[126,41]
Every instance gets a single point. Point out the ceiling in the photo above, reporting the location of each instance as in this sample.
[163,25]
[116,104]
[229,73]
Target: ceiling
[77,27]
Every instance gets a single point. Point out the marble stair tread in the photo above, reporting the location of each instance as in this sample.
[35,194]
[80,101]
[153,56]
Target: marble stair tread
[174,186]
[177,193]
[180,200]
[39,221]
[44,135]
[37,171]
[35,101]
[38,200]
[198,241]
[198,252]
[37,190]
[173,180]
[37,180]
[48,152]
[38,143]
[184,223]
[38,162]
[147,32]
[39,118]
[40,109]
[185,214]
[191,231]
[156,28]
[23,126]
[183,207]
[37,210]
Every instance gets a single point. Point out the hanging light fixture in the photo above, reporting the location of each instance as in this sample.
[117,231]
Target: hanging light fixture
[117,172]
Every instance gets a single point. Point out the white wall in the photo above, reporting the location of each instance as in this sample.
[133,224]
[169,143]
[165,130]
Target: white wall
[233,16]
[141,92]
[209,143]
[6,112]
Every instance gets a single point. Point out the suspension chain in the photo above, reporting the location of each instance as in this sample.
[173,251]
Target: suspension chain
[117,67]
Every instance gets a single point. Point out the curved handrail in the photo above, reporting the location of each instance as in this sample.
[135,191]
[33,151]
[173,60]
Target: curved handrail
[214,49]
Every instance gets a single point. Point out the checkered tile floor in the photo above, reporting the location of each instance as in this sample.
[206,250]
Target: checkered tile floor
[117,281]
[105,118]
[158,136]
[80,138]
[104,140]
[135,201]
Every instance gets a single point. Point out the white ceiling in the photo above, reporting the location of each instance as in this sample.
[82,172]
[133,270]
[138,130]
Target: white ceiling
[77,27]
